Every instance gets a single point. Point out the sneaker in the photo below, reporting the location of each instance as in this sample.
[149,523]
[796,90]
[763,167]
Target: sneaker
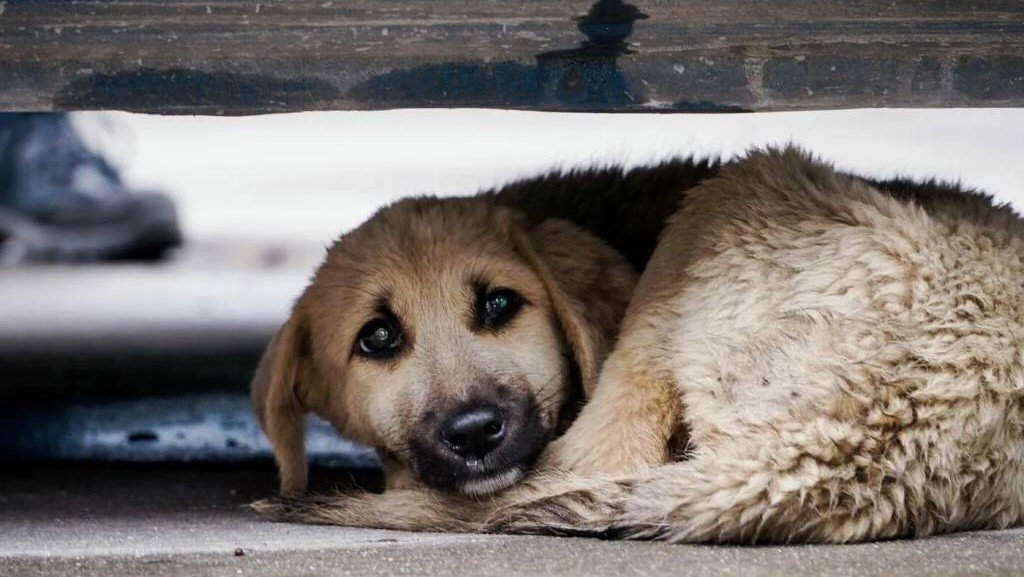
[62,202]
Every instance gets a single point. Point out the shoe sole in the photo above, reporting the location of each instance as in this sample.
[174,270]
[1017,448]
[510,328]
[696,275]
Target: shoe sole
[145,233]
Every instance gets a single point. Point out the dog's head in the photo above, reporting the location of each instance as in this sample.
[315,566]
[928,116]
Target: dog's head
[448,334]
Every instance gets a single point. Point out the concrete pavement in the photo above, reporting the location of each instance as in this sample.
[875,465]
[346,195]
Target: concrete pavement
[87,521]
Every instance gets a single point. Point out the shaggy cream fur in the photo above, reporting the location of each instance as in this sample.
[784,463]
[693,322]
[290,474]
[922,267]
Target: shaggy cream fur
[842,364]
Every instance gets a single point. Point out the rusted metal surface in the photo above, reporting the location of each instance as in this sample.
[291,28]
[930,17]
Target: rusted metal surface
[235,57]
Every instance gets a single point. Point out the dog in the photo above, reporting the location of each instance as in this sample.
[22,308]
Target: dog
[806,356]
[453,336]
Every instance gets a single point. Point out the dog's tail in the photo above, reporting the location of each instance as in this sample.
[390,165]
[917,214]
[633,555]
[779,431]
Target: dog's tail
[676,502]
[682,502]
[703,500]
[741,501]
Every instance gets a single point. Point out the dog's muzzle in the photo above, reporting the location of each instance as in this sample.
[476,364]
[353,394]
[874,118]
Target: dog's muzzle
[479,447]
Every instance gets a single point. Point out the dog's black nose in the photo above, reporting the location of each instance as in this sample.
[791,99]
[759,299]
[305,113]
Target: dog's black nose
[475,432]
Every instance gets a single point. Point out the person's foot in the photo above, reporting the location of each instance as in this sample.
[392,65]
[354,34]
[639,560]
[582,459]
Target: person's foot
[61,202]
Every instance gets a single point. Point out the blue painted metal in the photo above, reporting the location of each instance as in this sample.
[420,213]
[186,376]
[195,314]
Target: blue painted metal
[215,427]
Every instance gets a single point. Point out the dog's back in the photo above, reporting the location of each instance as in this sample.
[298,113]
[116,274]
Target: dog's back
[627,208]
[848,356]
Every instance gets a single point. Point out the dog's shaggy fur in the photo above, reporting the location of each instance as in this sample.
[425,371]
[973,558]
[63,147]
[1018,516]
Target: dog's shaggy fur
[808,356]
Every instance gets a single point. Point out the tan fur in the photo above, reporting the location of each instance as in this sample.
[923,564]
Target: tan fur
[421,252]
[278,406]
[845,366]
[627,425]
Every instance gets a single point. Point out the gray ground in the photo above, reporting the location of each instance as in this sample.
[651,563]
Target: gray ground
[136,521]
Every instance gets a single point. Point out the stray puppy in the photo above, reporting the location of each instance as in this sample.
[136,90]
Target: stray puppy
[454,336]
[808,356]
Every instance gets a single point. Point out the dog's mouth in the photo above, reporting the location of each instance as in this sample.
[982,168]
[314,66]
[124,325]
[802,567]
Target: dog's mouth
[478,448]
[488,485]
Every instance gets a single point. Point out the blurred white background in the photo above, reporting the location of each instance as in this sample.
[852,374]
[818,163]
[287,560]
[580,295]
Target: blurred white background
[307,177]
[261,196]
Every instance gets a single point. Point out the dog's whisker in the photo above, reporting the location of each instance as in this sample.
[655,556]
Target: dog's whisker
[545,398]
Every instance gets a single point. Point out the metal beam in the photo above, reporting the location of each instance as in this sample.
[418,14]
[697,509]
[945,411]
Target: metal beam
[237,57]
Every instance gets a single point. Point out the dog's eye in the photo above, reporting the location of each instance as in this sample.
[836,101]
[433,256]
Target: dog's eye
[378,338]
[498,307]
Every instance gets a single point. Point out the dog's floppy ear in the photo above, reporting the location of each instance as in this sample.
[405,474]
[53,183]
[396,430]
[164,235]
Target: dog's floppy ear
[590,285]
[276,401]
